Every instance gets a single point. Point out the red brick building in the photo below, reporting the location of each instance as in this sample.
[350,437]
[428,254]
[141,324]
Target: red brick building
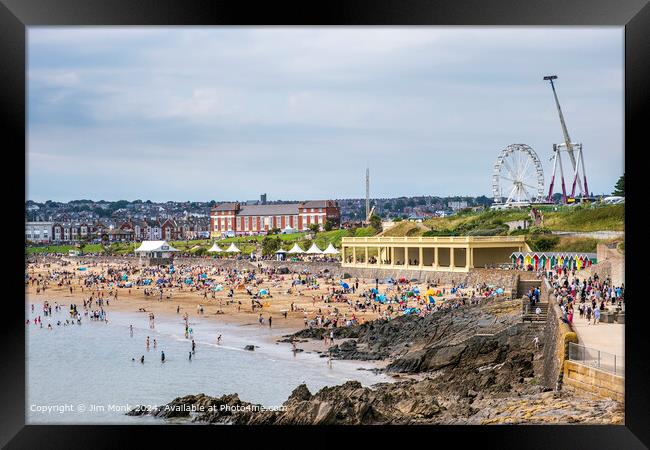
[238,219]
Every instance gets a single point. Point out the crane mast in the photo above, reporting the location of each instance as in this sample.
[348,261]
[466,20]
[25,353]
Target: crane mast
[567,139]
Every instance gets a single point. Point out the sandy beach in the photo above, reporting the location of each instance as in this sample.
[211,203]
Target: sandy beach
[65,284]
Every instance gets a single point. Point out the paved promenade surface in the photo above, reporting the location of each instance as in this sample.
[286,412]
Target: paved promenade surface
[607,337]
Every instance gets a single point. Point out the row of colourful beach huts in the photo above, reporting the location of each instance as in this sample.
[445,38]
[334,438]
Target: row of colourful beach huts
[552,260]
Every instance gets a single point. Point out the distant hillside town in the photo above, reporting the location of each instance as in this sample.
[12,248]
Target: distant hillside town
[96,221]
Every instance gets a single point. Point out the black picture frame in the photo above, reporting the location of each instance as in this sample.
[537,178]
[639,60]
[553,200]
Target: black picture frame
[16,15]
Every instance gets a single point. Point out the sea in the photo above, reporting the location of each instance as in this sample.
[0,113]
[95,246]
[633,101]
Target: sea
[92,374]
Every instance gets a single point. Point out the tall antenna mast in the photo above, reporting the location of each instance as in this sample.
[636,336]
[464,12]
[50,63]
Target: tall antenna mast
[367,195]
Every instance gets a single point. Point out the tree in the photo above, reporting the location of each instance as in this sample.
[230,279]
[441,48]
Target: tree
[270,245]
[619,187]
[314,227]
[328,225]
[375,222]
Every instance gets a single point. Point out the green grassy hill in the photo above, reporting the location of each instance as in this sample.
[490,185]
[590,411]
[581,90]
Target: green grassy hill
[247,244]
[582,218]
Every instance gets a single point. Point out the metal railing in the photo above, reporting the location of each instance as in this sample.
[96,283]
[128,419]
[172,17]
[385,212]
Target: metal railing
[598,359]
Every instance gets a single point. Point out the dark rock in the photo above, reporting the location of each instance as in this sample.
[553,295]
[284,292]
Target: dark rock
[249,347]
[301,393]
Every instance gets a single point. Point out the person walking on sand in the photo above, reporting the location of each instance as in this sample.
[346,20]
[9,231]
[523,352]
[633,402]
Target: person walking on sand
[193,346]
[270,321]
[596,316]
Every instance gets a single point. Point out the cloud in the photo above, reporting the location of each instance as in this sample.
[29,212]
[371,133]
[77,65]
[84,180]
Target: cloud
[299,112]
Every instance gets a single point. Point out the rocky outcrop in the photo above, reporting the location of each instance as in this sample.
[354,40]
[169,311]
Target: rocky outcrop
[421,344]
[476,364]
[409,402]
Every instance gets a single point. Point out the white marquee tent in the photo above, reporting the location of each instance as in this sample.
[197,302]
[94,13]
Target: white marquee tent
[296,249]
[330,250]
[215,248]
[314,250]
[233,249]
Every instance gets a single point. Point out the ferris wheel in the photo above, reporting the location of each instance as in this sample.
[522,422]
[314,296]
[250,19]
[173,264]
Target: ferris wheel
[518,176]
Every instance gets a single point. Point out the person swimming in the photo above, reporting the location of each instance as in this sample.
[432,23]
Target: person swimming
[190,356]
[142,359]
[162,356]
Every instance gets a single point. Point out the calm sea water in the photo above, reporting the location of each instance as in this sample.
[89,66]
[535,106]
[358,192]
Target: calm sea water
[87,372]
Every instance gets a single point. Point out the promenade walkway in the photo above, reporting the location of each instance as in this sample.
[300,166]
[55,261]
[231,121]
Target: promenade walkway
[606,337]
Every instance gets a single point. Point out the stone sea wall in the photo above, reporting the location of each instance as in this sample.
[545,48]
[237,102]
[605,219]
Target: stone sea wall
[507,279]
[557,336]
[588,379]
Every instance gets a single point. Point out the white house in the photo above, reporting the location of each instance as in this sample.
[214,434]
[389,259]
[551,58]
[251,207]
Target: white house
[39,232]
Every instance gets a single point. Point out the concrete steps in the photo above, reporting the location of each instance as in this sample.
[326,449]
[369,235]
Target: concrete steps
[528,312]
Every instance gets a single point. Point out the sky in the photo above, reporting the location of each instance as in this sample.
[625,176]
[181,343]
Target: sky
[228,113]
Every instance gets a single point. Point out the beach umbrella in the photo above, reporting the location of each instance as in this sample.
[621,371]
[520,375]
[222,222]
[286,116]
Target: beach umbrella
[218,288]
[500,291]
[374,291]
[264,292]
[381,298]
[344,285]
[416,290]
[432,300]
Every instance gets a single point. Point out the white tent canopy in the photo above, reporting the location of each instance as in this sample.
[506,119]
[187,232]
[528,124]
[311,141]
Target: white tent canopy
[233,248]
[215,248]
[155,246]
[314,250]
[281,251]
[296,249]
[330,250]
